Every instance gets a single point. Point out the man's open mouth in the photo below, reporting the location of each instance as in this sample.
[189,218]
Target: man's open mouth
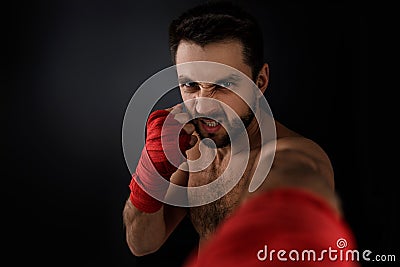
[209,125]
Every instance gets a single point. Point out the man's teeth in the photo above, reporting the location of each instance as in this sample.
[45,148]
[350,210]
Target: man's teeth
[211,123]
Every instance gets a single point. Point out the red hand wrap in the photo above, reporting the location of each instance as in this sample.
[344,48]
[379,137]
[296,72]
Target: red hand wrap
[282,219]
[153,162]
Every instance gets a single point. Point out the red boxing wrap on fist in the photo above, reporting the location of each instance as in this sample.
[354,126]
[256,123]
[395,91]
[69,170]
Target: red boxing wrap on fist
[162,132]
[279,228]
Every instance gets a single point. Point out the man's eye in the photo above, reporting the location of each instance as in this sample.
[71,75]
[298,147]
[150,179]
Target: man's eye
[190,84]
[225,84]
[189,87]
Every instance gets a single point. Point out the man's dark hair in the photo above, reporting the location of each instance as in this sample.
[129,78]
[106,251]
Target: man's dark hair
[213,22]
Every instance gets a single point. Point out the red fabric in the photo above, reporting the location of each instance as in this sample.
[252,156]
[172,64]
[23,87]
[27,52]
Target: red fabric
[155,148]
[153,161]
[283,219]
[140,199]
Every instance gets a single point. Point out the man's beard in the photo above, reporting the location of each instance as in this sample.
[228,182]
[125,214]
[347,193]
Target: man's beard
[235,130]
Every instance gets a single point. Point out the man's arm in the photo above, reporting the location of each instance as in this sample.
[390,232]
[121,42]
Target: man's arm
[147,232]
[148,222]
[295,209]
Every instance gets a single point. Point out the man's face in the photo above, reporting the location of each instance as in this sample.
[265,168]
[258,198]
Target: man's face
[211,90]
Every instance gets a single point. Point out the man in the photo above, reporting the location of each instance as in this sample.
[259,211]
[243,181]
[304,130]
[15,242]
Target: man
[298,189]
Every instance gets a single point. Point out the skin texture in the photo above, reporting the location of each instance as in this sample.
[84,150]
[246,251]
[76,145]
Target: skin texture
[298,162]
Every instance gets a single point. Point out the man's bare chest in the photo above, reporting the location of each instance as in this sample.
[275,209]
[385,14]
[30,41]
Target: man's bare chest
[207,217]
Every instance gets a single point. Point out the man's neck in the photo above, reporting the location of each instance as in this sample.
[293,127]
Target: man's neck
[250,140]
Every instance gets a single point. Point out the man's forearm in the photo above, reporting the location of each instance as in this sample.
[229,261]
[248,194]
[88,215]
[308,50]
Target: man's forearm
[145,232]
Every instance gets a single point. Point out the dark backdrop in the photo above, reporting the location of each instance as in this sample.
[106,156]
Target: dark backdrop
[69,71]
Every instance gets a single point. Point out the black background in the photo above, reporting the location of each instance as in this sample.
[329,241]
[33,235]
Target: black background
[69,71]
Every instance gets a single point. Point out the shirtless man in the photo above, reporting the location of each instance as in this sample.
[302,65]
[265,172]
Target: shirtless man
[225,35]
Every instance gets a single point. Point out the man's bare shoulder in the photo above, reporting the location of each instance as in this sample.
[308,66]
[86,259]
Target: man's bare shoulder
[301,163]
[305,150]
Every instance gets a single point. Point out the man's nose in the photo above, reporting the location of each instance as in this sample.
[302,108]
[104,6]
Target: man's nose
[205,103]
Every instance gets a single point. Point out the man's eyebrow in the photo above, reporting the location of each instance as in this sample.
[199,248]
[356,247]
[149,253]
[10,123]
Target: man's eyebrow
[230,77]
[184,79]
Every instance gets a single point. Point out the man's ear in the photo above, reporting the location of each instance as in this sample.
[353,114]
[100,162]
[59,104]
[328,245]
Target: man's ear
[263,78]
